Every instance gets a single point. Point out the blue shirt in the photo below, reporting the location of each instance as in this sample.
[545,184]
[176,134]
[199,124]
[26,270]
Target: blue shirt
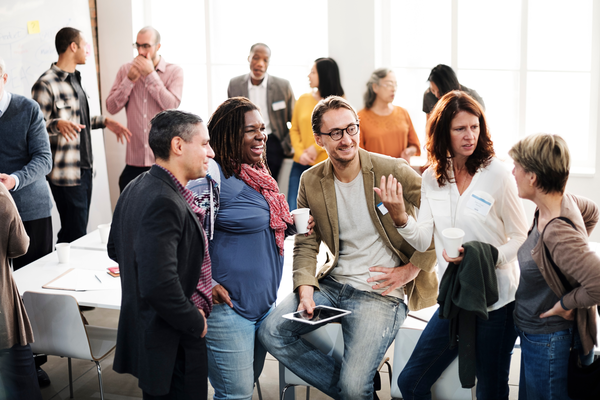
[245,258]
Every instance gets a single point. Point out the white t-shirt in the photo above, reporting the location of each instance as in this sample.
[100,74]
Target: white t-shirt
[361,246]
[258,95]
[489,211]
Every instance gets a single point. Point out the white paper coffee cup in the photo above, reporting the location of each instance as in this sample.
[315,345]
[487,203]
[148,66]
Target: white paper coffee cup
[104,230]
[453,239]
[64,252]
[301,219]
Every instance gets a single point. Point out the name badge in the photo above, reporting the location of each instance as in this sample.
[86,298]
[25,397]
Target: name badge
[480,202]
[278,105]
[382,208]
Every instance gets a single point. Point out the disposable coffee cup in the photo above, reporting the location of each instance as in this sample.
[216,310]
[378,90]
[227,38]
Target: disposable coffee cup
[64,252]
[453,239]
[104,230]
[301,219]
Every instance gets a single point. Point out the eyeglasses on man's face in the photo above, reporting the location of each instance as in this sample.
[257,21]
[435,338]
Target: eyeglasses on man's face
[144,46]
[337,134]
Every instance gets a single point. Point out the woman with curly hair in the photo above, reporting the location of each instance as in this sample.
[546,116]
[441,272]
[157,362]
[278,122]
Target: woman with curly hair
[466,187]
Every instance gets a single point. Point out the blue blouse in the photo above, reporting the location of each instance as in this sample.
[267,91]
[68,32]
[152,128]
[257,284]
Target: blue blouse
[245,258]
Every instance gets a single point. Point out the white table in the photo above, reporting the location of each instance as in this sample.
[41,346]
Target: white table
[91,241]
[40,272]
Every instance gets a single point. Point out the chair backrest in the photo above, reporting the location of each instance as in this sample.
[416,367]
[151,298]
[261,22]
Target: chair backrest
[58,328]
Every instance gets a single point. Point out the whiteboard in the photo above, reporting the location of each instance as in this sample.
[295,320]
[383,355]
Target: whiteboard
[27,56]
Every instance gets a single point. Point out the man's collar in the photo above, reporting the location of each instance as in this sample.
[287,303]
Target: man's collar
[4,101]
[263,84]
[62,74]
[162,65]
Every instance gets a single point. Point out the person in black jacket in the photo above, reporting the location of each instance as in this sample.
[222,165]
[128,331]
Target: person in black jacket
[157,239]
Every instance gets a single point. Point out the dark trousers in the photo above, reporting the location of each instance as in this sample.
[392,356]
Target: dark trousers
[18,377]
[40,241]
[189,380]
[130,173]
[275,155]
[73,204]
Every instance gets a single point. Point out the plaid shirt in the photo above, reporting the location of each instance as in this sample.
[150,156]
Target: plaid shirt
[202,297]
[58,100]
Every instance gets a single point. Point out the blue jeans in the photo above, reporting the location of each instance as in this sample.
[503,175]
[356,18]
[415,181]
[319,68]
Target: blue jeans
[544,364]
[432,355]
[368,332]
[235,357]
[73,205]
[294,183]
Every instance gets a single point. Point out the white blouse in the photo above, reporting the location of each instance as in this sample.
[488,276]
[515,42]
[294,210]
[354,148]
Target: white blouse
[489,211]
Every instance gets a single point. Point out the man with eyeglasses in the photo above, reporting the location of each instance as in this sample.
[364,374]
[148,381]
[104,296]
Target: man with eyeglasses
[65,108]
[145,86]
[275,99]
[370,268]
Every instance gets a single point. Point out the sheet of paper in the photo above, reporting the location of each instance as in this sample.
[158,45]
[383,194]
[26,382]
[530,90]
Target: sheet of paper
[83,280]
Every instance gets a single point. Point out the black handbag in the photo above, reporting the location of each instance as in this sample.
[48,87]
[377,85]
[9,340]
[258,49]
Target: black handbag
[583,382]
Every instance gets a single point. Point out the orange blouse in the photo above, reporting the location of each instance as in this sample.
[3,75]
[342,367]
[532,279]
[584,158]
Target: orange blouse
[387,134]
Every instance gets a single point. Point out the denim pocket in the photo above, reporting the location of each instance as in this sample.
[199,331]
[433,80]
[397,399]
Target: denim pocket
[536,340]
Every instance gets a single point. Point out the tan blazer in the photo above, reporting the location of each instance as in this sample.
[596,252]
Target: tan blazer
[317,192]
[14,324]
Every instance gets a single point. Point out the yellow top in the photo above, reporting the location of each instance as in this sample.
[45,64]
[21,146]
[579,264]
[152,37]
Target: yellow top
[301,133]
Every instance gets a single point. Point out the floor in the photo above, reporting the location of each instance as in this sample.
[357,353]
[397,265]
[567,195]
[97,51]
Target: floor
[124,387]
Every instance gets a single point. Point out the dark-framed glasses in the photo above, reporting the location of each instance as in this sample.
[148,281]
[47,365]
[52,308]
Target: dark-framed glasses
[144,46]
[337,134]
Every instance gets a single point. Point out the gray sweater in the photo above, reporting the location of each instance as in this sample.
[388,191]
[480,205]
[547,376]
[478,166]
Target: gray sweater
[25,152]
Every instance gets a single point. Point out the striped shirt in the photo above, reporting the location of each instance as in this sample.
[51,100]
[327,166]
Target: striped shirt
[202,297]
[161,90]
[58,100]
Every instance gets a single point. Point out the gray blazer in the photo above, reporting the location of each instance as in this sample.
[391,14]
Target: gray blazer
[277,90]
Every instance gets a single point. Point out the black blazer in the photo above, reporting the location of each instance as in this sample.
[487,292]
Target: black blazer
[158,243]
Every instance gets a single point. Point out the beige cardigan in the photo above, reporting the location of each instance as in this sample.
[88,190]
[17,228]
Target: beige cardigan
[581,266]
[317,192]
[14,242]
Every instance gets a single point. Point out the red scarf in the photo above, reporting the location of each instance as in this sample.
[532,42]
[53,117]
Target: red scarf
[259,179]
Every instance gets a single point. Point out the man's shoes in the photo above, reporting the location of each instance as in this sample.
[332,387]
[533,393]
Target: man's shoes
[43,378]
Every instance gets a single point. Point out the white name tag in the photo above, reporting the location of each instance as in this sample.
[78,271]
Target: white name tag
[278,105]
[480,202]
[382,208]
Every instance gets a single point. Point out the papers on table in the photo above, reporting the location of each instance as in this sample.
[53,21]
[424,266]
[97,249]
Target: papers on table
[79,280]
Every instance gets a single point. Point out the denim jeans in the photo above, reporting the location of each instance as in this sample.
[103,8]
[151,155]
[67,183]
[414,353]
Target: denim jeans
[235,357]
[368,332]
[18,376]
[544,364]
[73,205]
[432,355]
[294,183]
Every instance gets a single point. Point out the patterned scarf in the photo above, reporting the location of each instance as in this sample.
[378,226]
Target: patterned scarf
[259,179]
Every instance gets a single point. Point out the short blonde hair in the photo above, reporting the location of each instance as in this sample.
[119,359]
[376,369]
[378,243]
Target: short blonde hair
[547,156]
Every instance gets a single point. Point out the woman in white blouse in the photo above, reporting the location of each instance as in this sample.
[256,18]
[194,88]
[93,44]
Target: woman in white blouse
[468,188]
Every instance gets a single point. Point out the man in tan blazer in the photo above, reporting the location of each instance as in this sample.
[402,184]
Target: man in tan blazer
[370,268]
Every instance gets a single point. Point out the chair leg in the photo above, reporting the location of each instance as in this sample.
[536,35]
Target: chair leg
[100,379]
[258,390]
[285,390]
[308,393]
[70,378]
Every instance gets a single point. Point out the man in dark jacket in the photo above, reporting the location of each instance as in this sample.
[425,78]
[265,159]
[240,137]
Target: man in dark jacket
[157,239]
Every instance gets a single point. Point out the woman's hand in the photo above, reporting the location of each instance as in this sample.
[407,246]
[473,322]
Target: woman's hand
[205,323]
[456,260]
[557,310]
[390,193]
[309,156]
[408,153]
[221,295]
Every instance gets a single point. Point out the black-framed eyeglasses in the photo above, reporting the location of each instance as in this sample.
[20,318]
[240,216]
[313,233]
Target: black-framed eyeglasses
[337,134]
[144,46]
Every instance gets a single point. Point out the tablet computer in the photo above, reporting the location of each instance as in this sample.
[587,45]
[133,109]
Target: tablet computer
[320,315]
